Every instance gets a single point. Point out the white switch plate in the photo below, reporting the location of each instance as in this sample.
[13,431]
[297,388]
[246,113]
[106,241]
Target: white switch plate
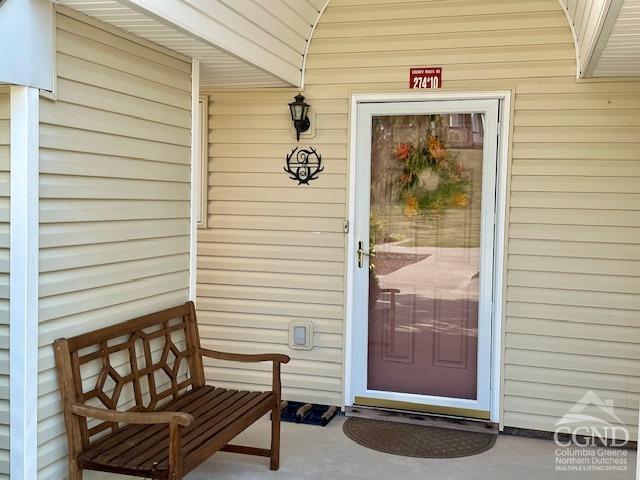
[301,335]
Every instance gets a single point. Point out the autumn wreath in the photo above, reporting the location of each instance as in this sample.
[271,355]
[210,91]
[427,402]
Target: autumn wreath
[413,182]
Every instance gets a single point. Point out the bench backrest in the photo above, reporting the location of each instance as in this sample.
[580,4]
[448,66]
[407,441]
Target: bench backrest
[136,365]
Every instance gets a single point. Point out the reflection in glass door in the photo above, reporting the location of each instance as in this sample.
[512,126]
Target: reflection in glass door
[425,252]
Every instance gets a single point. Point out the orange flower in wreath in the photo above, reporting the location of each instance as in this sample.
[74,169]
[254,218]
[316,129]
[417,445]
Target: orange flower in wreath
[436,149]
[411,206]
[403,150]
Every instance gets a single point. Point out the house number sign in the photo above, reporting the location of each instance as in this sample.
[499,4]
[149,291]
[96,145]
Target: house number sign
[425,77]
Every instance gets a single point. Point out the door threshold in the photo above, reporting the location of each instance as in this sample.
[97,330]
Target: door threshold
[422,418]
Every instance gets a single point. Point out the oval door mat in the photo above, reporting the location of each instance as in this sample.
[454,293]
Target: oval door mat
[416,440]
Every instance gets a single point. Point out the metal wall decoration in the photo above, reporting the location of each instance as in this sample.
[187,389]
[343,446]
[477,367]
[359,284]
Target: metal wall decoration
[304,165]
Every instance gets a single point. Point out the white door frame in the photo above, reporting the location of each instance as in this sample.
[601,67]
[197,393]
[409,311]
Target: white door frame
[499,239]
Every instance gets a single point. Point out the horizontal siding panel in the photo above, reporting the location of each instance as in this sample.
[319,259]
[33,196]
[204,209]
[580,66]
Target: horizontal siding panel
[249,254]
[276,295]
[579,134]
[578,184]
[331,355]
[83,71]
[292,194]
[570,248]
[577,118]
[103,54]
[459,23]
[89,31]
[577,346]
[623,301]
[284,308]
[263,335]
[589,380]
[60,211]
[265,321]
[76,324]
[275,121]
[448,56]
[88,233]
[88,118]
[311,224]
[589,101]
[105,166]
[558,200]
[267,137]
[56,283]
[575,217]
[326,179]
[268,165]
[88,96]
[53,259]
[571,313]
[272,279]
[307,382]
[329,210]
[591,266]
[76,187]
[441,40]
[62,138]
[610,333]
[571,362]
[83,301]
[559,151]
[275,238]
[485,71]
[567,168]
[575,281]
[557,408]
[277,265]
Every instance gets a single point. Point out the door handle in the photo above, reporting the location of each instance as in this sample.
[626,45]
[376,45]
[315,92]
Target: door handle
[361,254]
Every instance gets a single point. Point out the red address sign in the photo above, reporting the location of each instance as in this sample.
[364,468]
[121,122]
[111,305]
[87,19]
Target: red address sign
[425,77]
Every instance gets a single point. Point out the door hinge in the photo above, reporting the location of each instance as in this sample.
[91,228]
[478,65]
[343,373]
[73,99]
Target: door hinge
[345,226]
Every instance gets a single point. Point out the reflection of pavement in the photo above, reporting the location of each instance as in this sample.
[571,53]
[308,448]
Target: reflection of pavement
[450,271]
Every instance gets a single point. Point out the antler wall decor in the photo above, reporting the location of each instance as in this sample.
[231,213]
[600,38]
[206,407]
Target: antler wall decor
[304,165]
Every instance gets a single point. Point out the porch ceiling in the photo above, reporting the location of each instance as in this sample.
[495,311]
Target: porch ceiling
[240,43]
[607,35]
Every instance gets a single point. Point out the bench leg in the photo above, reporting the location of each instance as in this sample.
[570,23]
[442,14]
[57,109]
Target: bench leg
[75,472]
[275,437]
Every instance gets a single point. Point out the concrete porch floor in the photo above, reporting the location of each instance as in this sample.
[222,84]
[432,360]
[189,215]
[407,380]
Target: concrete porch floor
[316,453]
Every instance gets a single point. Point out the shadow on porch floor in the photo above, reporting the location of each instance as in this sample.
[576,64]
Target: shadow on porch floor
[315,453]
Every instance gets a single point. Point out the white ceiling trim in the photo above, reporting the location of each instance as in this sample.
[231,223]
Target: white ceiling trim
[606,35]
[240,43]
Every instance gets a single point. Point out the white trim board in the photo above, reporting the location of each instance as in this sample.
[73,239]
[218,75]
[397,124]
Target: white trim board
[499,244]
[195,175]
[23,282]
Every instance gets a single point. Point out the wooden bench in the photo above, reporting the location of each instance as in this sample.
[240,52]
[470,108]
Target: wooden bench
[169,421]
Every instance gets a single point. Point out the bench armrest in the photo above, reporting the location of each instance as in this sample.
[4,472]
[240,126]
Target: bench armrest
[145,418]
[239,357]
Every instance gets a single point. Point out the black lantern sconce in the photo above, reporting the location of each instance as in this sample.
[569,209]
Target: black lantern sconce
[299,110]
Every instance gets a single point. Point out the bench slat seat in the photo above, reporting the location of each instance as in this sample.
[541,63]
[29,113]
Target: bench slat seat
[144,449]
[177,420]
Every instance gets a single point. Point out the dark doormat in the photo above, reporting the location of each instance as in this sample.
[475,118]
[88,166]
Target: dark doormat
[416,440]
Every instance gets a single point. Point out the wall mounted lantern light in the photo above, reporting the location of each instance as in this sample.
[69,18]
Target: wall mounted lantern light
[299,110]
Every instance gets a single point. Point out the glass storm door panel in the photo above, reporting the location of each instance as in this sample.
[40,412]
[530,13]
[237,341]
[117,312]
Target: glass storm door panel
[426,251]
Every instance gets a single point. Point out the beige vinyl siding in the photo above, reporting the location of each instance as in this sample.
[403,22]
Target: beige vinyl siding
[274,252]
[114,198]
[573,277]
[4,282]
